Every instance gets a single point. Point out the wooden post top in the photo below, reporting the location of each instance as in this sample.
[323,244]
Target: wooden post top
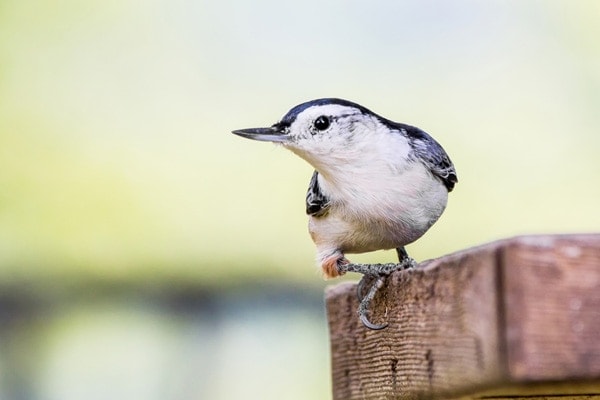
[514,318]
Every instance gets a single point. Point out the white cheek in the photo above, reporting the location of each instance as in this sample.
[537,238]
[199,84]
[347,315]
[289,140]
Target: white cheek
[317,150]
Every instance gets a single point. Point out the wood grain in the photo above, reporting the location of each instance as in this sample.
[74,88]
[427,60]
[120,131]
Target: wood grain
[479,322]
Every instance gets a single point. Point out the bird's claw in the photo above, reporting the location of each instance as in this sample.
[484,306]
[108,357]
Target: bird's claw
[379,272]
[375,327]
[363,307]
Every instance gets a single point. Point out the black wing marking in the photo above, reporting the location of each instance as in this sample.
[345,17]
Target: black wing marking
[316,202]
[431,153]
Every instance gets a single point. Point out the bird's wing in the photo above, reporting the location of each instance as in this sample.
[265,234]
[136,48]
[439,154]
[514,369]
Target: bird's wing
[434,156]
[431,153]
[316,202]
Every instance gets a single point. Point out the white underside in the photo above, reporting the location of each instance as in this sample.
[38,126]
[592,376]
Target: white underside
[384,213]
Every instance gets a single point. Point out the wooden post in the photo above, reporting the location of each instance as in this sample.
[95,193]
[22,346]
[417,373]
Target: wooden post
[514,318]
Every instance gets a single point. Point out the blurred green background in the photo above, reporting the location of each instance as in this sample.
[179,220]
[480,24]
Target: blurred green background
[147,253]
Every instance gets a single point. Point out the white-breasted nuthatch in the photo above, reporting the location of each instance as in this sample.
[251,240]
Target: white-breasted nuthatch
[377,184]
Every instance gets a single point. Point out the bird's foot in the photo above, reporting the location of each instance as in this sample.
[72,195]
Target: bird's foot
[374,275]
[373,270]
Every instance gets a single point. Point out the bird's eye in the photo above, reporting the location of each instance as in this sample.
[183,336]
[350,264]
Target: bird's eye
[322,123]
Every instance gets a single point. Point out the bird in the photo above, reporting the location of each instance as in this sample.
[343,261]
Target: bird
[377,185]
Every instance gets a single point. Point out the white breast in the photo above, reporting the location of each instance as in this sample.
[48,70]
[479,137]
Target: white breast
[382,209]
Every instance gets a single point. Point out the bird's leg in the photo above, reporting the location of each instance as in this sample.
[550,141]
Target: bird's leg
[402,254]
[378,271]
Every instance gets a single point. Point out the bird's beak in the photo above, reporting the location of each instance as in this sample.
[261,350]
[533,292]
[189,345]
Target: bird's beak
[272,134]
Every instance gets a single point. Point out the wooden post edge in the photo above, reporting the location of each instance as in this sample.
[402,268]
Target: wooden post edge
[501,319]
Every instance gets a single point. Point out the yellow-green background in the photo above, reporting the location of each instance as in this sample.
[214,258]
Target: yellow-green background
[118,169]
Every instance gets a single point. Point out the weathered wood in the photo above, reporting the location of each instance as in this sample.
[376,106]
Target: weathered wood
[518,317]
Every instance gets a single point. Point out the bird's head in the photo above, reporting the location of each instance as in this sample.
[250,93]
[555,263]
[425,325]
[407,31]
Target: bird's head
[326,131]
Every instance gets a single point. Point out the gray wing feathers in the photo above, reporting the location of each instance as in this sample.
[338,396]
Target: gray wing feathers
[431,153]
[434,156]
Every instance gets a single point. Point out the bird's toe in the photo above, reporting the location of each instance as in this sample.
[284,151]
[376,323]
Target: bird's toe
[364,303]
